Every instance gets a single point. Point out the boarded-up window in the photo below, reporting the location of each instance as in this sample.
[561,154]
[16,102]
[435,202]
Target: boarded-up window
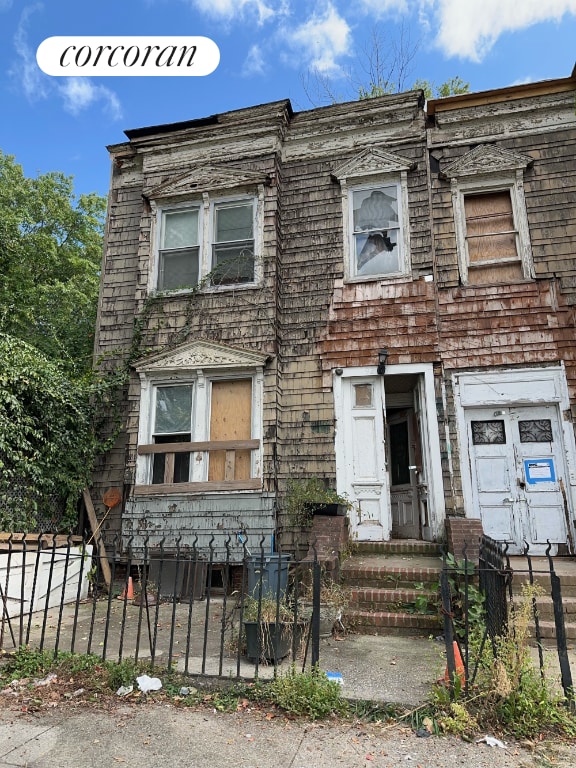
[230,419]
[491,239]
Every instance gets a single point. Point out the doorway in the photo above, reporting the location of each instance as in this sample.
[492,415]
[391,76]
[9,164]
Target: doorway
[387,452]
[518,475]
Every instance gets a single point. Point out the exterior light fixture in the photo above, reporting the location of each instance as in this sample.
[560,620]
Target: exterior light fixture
[382,357]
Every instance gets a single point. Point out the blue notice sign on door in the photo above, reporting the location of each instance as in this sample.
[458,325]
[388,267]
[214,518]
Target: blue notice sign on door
[539,471]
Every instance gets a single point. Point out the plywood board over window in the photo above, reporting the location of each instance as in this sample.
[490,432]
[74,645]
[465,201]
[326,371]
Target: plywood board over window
[491,238]
[230,419]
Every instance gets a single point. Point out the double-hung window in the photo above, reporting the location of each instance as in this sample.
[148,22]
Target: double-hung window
[376,233]
[179,252]
[222,253]
[233,246]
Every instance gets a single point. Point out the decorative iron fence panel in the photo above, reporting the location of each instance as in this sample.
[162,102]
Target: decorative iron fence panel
[176,609]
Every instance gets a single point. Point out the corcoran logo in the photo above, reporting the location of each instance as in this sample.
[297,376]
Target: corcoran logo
[110,56]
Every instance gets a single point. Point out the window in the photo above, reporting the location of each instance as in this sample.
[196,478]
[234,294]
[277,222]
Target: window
[177,418]
[233,248]
[374,186]
[172,424]
[490,217]
[491,238]
[376,242]
[200,423]
[221,254]
[179,254]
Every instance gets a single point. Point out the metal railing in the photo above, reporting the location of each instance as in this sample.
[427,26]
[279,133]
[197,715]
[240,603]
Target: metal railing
[174,608]
[495,577]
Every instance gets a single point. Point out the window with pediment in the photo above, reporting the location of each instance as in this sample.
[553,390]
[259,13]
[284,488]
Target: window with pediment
[375,215]
[491,223]
[200,420]
[203,235]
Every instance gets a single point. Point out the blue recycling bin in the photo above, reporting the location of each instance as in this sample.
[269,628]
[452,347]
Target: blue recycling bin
[271,570]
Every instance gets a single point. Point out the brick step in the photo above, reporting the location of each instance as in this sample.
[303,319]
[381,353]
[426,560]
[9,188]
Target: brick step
[389,576]
[392,600]
[398,547]
[567,588]
[389,623]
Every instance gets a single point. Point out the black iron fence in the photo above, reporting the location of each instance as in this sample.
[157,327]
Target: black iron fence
[177,608]
[493,587]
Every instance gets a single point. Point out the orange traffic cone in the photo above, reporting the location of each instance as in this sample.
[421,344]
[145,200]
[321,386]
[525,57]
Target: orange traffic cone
[459,665]
[130,595]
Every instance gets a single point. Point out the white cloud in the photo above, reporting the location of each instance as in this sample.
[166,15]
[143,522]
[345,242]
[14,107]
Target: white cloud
[231,9]
[322,40]
[254,63]
[35,84]
[5,4]
[79,93]
[380,8]
[470,29]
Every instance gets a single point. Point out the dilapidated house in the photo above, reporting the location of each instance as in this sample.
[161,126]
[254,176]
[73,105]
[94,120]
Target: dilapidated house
[379,293]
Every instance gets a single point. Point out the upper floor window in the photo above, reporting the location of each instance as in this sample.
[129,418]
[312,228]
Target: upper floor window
[491,222]
[179,252]
[491,238]
[374,187]
[212,242]
[376,247]
[233,247]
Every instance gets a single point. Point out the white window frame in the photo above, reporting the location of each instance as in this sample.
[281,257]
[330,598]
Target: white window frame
[505,183]
[400,181]
[201,382]
[206,207]
[160,226]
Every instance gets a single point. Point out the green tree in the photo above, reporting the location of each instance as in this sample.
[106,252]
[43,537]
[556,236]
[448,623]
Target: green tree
[47,442]
[50,256]
[382,67]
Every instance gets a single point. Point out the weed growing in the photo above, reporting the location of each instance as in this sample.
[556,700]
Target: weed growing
[307,693]
[509,694]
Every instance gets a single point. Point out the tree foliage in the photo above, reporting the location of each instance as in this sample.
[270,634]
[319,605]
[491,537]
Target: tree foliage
[46,437]
[50,255]
[380,68]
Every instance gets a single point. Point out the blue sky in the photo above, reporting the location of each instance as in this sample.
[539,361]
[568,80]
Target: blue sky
[270,49]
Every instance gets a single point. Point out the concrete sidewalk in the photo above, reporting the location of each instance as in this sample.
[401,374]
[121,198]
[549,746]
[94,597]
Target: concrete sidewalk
[152,735]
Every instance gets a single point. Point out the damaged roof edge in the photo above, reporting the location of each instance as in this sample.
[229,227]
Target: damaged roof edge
[476,98]
[155,130]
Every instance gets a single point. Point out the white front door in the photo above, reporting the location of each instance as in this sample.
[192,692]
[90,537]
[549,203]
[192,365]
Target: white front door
[518,475]
[362,471]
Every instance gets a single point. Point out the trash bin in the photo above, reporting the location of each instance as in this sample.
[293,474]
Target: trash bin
[271,570]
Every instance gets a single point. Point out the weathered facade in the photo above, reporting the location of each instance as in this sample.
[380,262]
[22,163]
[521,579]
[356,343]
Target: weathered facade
[257,263]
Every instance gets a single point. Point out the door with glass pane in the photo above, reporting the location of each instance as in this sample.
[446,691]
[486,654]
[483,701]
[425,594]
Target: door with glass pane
[518,475]
[363,464]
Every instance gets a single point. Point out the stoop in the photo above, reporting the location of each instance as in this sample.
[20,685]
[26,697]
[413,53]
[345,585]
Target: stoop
[394,588]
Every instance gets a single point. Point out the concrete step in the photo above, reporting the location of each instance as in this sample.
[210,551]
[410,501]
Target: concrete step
[390,623]
[548,631]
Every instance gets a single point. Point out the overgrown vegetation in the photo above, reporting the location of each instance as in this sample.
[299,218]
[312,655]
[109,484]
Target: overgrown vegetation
[509,695]
[304,496]
[50,257]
